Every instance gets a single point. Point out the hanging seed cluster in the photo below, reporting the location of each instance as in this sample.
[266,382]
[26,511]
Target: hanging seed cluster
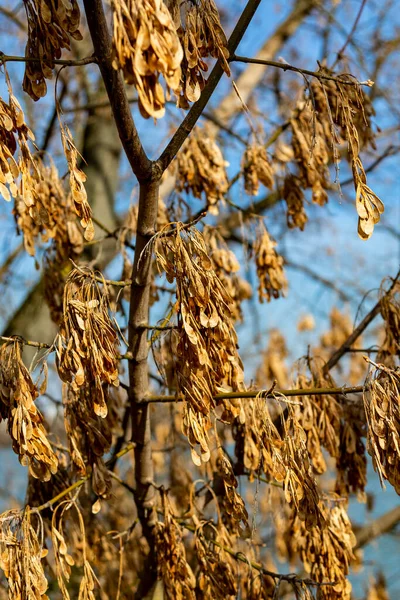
[201,169]
[336,428]
[294,197]
[217,571]
[269,264]
[226,267]
[65,561]
[207,356]
[273,367]
[172,565]
[50,29]
[231,504]
[326,554]
[202,36]
[311,143]
[260,447]
[14,135]
[46,212]
[378,589]
[21,554]
[76,180]
[256,169]
[25,423]
[382,409]
[87,345]
[145,46]
[348,107]
[89,435]
[390,312]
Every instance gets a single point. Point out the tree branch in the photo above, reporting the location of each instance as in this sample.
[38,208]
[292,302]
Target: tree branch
[287,67]
[195,112]
[336,356]
[88,60]
[141,165]
[276,393]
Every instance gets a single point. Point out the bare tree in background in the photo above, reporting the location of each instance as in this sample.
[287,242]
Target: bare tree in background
[239,484]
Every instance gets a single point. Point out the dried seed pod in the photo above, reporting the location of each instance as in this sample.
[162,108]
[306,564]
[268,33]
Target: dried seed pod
[50,29]
[294,197]
[63,560]
[200,168]
[201,36]
[146,45]
[172,565]
[25,423]
[14,134]
[21,554]
[273,367]
[207,358]
[226,266]
[89,436]
[46,211]
[348,107]
[256,169]
[326,554]
[390,312]
[382,409]
[76,179]
[217,571]
[87,344]
[230,501]
[271,276]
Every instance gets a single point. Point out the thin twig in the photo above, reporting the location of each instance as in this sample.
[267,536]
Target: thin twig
[337,355]
[88,60]
[340,53]
[287,67]
[21,340]
[278,394]
[197,109]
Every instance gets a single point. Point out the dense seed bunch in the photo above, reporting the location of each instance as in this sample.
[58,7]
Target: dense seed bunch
[217,572]
[200,168]
[47,212]
[320,417]
[260,447]
[348,107]
[294,197]
[146,45]
[63,560]
[21,554]
[14,135]
[207,358]
[335,427]
[89,436]
[327,553]
[311,150]
[390,312]
[226,267]
[173,568]
[25,423]
[87,344]
[76,180]
[50,29]
[270,273]
[201,36]
[230,503]
[273,367]
[256,169]
[382,409]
